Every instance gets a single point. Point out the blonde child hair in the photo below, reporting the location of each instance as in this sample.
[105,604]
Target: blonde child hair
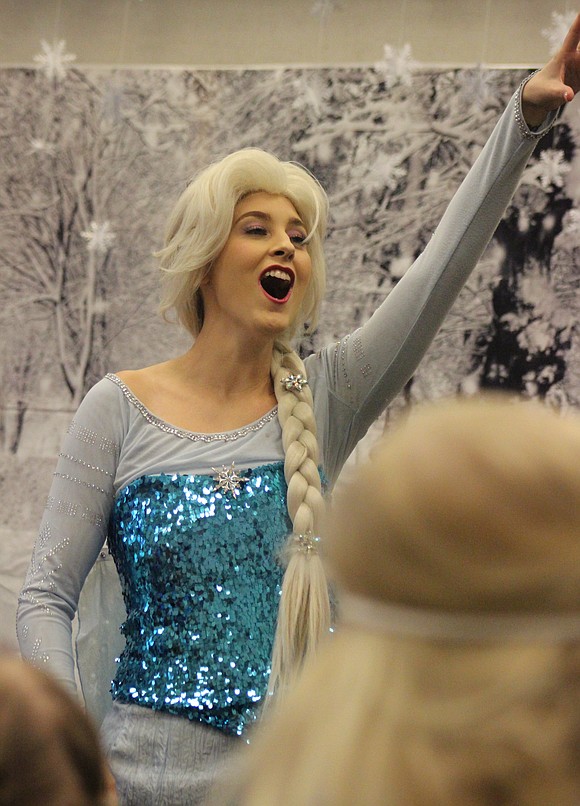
[453,676]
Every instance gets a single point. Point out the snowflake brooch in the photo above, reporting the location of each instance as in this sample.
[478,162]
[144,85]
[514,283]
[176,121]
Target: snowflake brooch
[228,480]
[294,383]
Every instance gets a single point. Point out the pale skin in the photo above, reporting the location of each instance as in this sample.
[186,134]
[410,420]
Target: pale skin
[223,381]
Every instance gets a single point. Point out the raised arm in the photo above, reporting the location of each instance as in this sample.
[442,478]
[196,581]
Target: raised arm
[556,83]
[368,369]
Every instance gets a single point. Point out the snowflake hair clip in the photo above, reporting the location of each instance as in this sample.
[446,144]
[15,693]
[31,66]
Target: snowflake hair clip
[294,383]
[307,543]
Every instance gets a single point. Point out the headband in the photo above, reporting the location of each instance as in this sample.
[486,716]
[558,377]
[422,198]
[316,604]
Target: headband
[414,622]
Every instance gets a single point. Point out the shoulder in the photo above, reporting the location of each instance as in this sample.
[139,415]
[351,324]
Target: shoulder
[102,417]
[144,383]
[106,400]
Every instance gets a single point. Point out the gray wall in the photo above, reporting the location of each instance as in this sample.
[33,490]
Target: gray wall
[243,32]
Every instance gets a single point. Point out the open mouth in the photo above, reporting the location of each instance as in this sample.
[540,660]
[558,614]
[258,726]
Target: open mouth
[277,283]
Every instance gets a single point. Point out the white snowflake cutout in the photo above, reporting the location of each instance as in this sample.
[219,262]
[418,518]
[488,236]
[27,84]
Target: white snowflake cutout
[53,60]
[397,66]
[99,237]
[549,170]
[309,95]
[400,265]
[560,25]
[386,172]
[477,86]
[572,222]
[323,9]
[40,146]
[552,168]
[113,99]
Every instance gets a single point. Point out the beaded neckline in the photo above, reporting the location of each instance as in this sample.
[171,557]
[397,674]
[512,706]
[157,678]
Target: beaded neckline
[225,436]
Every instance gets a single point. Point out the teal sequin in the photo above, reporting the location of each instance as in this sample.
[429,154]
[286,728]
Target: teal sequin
[201,583]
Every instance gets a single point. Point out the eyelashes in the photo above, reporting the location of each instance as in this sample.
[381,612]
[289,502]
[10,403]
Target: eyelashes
[255,230]
[297,238]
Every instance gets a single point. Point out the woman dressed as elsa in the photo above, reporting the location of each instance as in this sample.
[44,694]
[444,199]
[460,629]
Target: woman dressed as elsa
[202,472]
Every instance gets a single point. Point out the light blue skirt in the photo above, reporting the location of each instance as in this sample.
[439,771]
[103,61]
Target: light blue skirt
[159,759]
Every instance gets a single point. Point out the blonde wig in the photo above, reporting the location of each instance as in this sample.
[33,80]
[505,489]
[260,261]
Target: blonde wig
[196,233]
[468,512]
[201,221]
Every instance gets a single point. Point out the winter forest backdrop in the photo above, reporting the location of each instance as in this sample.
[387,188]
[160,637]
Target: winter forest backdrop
[91,160]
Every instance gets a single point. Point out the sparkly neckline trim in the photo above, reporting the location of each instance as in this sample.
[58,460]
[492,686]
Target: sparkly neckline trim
[225,436]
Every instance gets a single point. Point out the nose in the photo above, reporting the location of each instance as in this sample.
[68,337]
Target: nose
[284,247]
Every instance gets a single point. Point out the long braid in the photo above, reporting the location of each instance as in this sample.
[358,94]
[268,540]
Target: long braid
[304,612]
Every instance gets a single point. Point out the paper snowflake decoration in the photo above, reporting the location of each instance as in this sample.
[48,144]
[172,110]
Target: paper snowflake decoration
[99,237]
[113,99]
[400,265]
[53,60]
[309,96]
[396,66]
[560,25]
[323,9]
[40,146]
[477,86]
[550,170]
[386,172]
[572,222]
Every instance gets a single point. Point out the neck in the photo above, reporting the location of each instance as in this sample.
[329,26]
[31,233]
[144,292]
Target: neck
[229,366]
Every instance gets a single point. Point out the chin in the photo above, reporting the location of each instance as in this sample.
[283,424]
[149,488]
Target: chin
[276,325]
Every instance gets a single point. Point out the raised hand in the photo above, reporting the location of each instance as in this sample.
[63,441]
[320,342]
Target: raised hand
[557,82]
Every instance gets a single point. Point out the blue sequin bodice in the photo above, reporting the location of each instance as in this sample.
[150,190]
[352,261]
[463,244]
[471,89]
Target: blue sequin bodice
[201,583]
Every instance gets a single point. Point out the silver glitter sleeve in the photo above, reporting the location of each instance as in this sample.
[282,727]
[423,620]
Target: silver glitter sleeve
[72,532]
[367,369]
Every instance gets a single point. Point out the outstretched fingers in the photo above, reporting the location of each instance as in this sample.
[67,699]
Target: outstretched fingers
[567,60]
[571,41]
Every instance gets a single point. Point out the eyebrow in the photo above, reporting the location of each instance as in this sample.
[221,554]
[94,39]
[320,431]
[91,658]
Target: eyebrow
[267,217]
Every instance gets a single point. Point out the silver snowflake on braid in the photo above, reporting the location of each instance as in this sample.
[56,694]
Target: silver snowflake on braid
[294,383]
[307,543]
